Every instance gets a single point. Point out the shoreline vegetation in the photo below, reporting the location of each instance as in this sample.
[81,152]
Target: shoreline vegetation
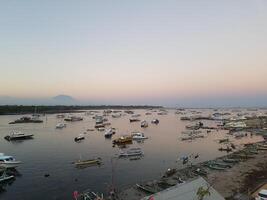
[21,109]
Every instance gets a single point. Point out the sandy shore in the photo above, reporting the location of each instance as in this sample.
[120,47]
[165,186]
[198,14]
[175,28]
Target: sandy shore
[242,178]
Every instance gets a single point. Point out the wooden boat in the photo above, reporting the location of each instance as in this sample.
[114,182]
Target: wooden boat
[123,140]
[146,188]
[91,162]
[214,167]
[229,160]
[200,172]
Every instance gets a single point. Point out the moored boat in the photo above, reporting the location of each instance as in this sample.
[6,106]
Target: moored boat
[60,125]
[4,177]
[8,161]
[138,136]
[79,138]
[123,140]
[131,152]
[144,124]
[84,163]
[18,135]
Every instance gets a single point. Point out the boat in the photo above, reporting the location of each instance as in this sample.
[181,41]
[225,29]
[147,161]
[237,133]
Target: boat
[215,167]
[101,129]
[109,133]
[134,120]
[4,177]
[84,163]
[155,121]
[227,149]
[87,195]
[8,161]
[138,136]
[73,119]
[18,135]
[230,160]
[99,126]
[144,124]
[27,120]
[224,140]
[60,125]
[60,116]
[79,138]
[131,152]
[200,172]
[146,188]
[123,140]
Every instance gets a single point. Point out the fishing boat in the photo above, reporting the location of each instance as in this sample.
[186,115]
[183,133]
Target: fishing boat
[4,177]
[60,125]
[90,162]
[138,136]
[18,135]
[79,138]
[131,152]
[144,124]
[227,149]
[155,121]
[73,119]
[215,167]
[134,120]
[109,133]
[8,161]
[200,172]
[26,119]
[123,140]
[146,188]
[230,160]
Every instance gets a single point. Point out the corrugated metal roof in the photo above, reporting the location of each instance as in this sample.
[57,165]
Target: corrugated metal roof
[186,191]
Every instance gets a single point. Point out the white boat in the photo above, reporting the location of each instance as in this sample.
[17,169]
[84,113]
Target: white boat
[144,124]
[8,161]
[79,137]
[139,136]
[101,129]
[18,135]
[4,177]
[61,125]
[73,119]
[109,133]
[131,152]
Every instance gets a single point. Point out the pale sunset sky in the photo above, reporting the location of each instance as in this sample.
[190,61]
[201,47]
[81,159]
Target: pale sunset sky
[135,52]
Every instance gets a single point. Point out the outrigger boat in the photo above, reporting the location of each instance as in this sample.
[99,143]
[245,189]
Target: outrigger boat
[146,188]
[84,163]
[131,152]
[123,140]
[18,135]
[4,177]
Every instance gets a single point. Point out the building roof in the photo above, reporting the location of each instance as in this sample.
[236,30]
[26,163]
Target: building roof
[186,191]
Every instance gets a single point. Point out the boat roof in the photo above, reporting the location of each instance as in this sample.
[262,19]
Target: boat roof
[5,157]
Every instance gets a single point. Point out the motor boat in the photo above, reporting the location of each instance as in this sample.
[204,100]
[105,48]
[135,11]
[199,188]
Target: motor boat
[8,161]
[144,124]
[18,135]
[60,125]
[79,138]
[73,119]
[131,152]
[109,133]
[155,121]
[138,136]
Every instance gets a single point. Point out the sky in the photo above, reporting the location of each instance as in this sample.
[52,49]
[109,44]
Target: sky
[135,52]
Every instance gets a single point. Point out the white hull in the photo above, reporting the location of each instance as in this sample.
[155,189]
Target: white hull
[13,164]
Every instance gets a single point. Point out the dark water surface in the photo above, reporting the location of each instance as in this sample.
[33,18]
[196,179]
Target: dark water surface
[52,151]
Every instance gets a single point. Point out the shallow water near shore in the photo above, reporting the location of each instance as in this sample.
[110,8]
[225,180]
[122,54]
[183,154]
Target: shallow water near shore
[52,152]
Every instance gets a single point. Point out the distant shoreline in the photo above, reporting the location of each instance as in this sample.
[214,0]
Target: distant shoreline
[22,110]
